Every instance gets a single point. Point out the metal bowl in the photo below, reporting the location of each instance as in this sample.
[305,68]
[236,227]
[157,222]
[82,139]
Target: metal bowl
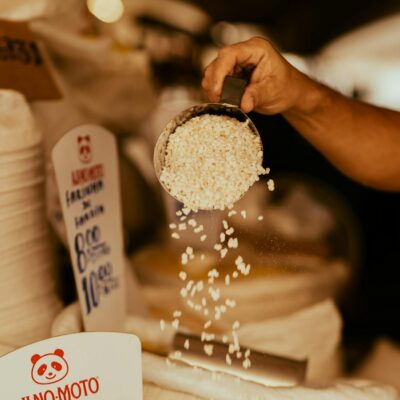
[232,91]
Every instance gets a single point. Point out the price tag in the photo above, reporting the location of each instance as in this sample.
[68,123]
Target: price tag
[85,163]
[92,365]
[22,64]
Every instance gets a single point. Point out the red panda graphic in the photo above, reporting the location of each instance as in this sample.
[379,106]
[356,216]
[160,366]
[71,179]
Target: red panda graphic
[84,149]
[49,368]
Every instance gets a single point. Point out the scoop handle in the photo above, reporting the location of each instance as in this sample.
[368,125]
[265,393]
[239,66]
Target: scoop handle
[232,90]
[234,86]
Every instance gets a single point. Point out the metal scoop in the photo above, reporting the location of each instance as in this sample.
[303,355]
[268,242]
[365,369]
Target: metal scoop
[266,369]
[231,97]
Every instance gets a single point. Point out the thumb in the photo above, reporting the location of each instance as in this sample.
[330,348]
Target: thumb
[248,102]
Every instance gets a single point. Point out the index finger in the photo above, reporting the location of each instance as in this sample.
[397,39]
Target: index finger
[216,72]
[242,54]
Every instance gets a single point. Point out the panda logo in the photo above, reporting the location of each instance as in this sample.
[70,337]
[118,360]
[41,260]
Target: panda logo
[49,368]
[84,149]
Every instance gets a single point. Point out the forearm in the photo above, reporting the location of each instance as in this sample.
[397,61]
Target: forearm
[361,140]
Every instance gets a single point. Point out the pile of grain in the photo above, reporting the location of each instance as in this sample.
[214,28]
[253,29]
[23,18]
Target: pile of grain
[211,161]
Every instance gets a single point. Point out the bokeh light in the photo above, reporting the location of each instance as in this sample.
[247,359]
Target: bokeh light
[106,10]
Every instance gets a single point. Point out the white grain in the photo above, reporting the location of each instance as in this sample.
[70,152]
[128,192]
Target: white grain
[211,161]
[162,324]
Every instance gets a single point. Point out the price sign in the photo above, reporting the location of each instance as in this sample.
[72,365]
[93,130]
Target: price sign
[22,63]
[94,365]
[86,169]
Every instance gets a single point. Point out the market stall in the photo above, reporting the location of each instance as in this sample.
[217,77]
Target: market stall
[126,207]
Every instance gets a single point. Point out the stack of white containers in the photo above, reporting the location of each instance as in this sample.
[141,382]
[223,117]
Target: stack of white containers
[28,299]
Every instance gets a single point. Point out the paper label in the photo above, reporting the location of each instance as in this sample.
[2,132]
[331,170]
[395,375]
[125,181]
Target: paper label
[22,64]
[85,163]
[95,366]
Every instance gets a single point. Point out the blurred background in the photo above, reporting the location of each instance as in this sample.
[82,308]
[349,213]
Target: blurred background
[148,57]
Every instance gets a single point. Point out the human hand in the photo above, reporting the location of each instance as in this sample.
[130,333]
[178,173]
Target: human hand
[275,86]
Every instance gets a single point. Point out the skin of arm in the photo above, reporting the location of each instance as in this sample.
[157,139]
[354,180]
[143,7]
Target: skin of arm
[361,140]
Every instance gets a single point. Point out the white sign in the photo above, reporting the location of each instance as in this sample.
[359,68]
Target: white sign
[85,162]
[93,366]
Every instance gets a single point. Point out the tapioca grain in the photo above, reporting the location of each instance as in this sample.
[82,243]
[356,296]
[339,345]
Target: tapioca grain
[211,161]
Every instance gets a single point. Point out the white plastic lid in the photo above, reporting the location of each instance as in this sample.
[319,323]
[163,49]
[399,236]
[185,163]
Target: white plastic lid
[18,130]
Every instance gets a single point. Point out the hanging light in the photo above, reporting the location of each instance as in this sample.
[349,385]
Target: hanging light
[106,10]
